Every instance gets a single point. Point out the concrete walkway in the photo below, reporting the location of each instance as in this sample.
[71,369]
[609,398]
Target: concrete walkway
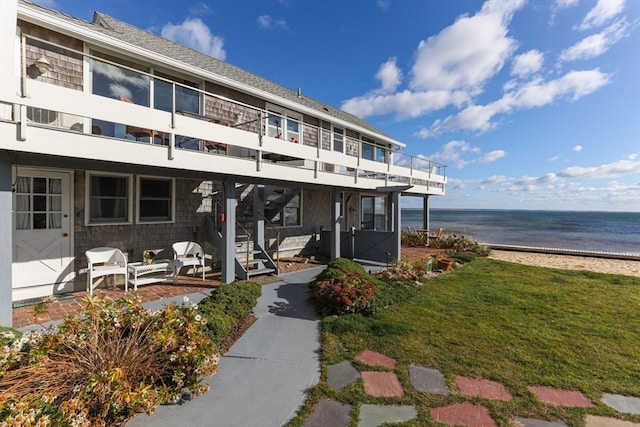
[264,376]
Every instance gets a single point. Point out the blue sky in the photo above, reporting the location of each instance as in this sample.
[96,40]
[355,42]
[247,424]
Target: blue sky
[531,104]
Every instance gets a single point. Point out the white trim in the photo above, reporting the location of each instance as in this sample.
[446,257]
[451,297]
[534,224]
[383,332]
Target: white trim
[87,198]
[173,199]
[114,44]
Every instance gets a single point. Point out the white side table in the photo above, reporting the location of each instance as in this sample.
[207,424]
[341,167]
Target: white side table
[151,271]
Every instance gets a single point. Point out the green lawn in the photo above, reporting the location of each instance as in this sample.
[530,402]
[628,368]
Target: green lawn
[506,322]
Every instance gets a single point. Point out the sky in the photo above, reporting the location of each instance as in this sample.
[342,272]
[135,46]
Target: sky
[530,104]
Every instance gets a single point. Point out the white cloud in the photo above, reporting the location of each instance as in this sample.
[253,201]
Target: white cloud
[602,12]
[565,4]
[527,63]
[383,4]
[266,22]
[596,44]
[196,35]
[609,170]
[490,157]
[467,53]
[423,133]
[450,67]
[390,75]
[553,159]
[577,148]
[536,93]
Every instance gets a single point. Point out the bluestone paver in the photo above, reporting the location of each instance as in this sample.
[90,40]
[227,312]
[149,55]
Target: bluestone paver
[329,413]
[595,421]
[263,378]
[341,375]
[427,380]
[626,404]
[532,422]
[374,415]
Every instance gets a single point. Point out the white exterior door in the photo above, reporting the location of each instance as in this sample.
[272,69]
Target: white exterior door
[42,232]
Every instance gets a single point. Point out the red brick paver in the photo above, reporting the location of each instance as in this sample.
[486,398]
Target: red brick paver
[559,397]
[484,388]
[382,384]
[57,310]
[463,414]
[372,358]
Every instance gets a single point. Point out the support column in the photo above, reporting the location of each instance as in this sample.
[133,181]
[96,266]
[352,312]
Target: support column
[258,216]
[335,224]
[6,241]
[395,218]
[228,261]
[425,213]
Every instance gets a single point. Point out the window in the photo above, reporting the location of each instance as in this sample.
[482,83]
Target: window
[38,203]
[186,99]
[108,199]
[284,125]
[338,139]
[155,199]
[371,151]
[290,215]
[374,213]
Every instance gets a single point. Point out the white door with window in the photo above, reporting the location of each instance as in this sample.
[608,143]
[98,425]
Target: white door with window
[42,230]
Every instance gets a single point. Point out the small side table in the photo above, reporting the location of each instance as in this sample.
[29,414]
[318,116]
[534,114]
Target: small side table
[137,269]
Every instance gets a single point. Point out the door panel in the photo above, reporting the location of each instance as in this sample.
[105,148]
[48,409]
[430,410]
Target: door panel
[42,238]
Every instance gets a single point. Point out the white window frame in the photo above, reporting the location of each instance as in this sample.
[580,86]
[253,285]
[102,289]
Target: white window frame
[370,141]
[87,198]
[285,116]
[172,206]
[343,133]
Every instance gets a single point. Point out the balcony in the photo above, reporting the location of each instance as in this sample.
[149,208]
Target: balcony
[188,128]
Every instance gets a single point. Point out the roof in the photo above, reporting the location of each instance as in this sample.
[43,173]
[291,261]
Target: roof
[140,38]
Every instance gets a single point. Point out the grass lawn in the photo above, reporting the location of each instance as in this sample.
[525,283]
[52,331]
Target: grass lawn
[506,322]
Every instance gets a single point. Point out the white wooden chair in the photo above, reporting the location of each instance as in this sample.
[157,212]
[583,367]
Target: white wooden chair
[105,261]
[189,254]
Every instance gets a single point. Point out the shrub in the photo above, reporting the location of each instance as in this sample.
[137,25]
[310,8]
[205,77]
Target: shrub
[463,244]
[226,306]
[100,368]
[350,293]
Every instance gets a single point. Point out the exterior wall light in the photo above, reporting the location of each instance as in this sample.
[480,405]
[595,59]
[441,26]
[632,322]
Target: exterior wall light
[43,65]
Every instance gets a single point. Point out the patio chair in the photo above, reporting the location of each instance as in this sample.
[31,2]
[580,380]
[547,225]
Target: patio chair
[189,254]
[435,239]
[105,261]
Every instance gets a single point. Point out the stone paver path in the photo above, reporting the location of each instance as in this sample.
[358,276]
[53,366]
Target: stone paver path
[374,415]
[382,384]
[427,380]
[625,404]
[465,414]
[558,397]
[482,388]
[594,421]
[329,413]
[531,422]
[372,358]
[341,375]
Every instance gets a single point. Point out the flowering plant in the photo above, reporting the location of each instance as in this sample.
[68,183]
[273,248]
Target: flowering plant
[350,293]
[104,366]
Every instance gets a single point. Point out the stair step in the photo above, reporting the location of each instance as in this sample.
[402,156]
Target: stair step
[260,271]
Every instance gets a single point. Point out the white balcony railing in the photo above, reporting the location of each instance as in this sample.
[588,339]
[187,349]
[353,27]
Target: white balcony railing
[235,130]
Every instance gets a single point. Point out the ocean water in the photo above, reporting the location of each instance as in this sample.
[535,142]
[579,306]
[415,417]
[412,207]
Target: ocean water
[592,231]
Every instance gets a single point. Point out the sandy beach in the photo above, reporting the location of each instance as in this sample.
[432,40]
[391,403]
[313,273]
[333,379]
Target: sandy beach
[570,262]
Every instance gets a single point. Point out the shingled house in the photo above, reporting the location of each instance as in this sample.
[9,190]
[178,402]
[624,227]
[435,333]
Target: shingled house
[113,136]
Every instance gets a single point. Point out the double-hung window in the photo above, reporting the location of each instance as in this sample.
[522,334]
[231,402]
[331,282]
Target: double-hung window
[108,199]
[156,199]
[338,139]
